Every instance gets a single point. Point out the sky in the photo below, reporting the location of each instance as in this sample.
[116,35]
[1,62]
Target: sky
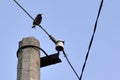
[68,20]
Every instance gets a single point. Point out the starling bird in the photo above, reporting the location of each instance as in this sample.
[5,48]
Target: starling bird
[37,20]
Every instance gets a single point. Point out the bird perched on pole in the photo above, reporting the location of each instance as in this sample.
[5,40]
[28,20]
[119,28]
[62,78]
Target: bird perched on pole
[37,20]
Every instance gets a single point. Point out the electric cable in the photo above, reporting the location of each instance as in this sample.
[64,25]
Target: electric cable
[50,36]
[90,44]
[30,46]
[70,64]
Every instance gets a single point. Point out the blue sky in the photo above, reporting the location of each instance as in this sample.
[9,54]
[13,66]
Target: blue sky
[69,20]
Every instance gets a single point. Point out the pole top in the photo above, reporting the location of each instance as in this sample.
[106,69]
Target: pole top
[29,41]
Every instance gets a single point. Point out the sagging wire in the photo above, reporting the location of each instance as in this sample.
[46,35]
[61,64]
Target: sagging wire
[31,46]
[50,36]
[59,48]
[95,26]
[70,64]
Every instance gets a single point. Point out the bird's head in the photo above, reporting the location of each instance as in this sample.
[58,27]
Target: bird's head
[40,14]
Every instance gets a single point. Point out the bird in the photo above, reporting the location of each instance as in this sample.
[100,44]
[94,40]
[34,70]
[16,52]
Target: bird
[37,20]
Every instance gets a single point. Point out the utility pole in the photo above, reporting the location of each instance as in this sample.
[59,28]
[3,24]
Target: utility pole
[28,67]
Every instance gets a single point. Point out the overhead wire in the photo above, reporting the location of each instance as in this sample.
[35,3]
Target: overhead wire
[50,36]
[91,40]
[31,46]
[70,64]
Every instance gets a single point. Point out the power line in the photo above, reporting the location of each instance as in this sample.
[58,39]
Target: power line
[31,46]
[70,64]
[23,10]
[95,26]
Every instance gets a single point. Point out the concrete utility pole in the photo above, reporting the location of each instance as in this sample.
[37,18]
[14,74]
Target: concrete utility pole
[28,67]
